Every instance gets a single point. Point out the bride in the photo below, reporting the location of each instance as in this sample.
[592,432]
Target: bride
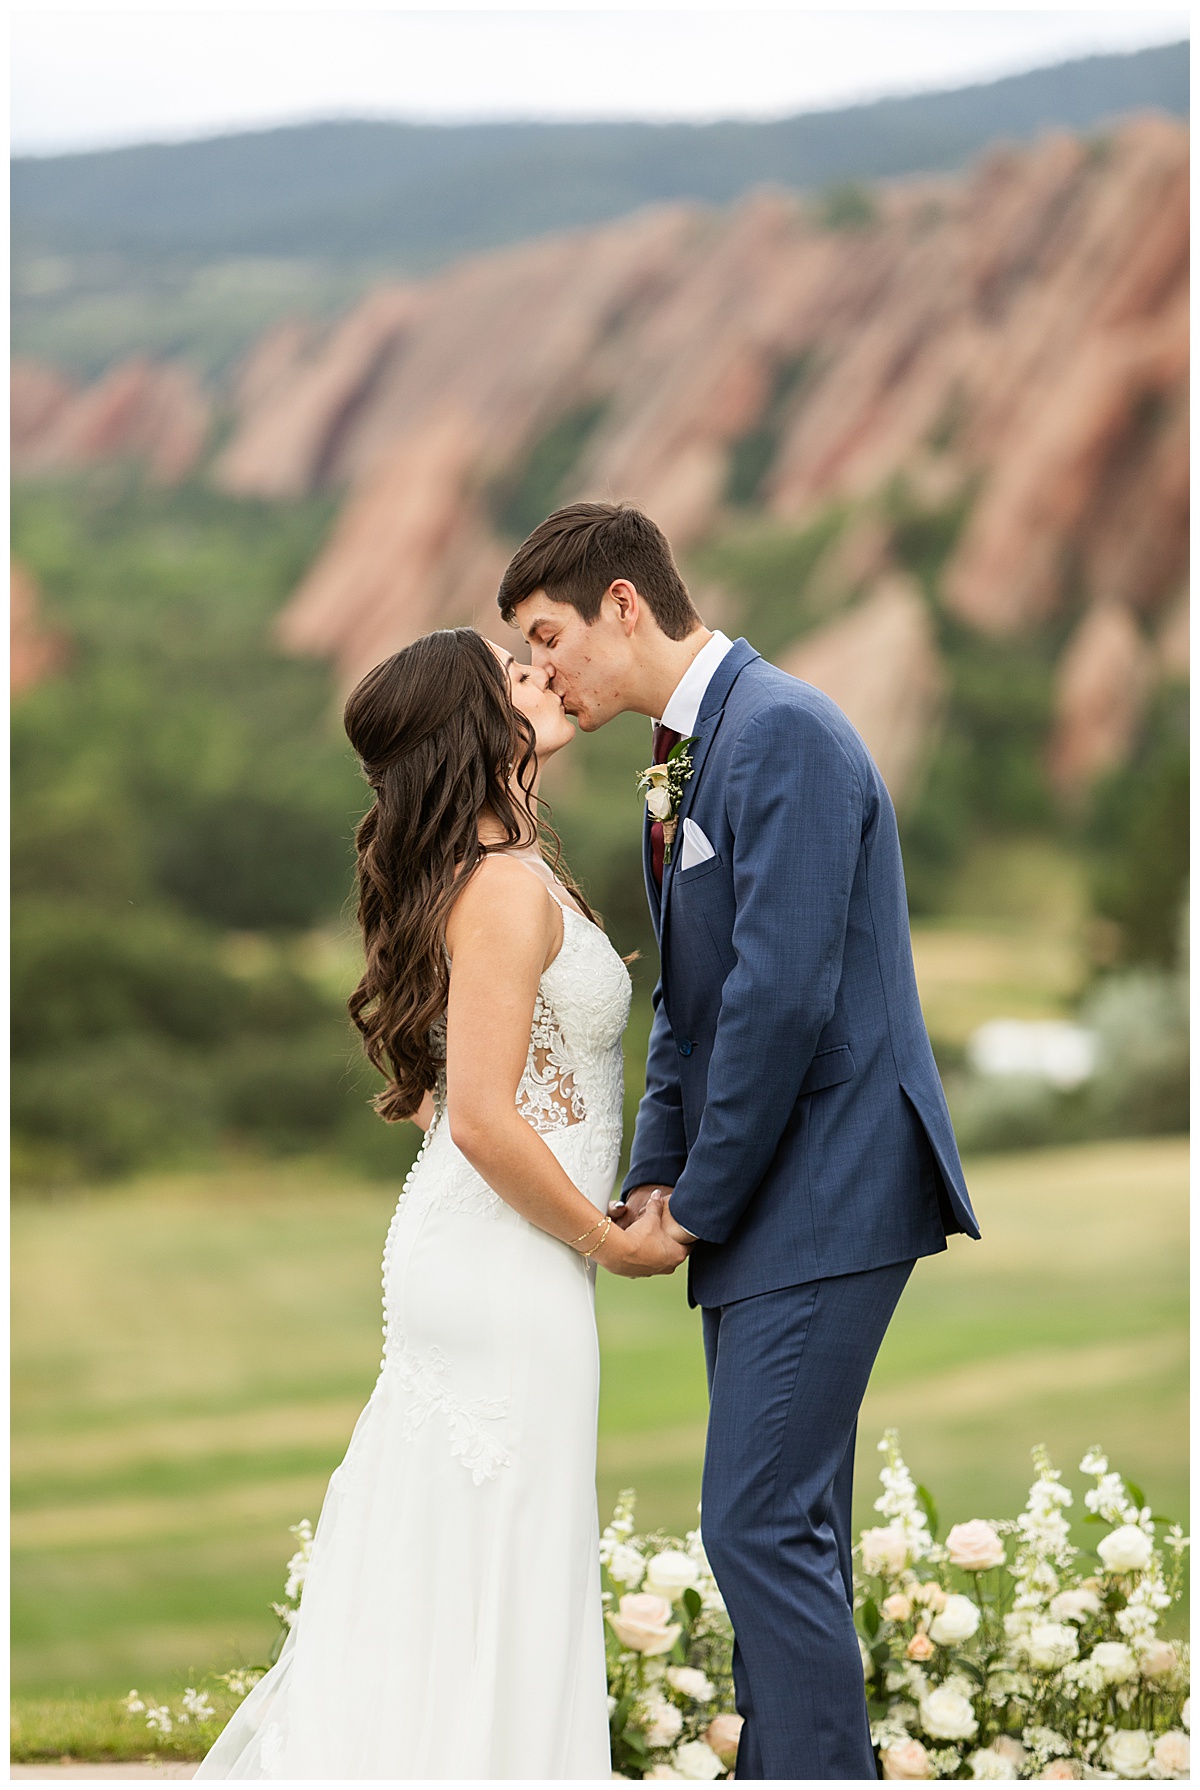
[451,1623]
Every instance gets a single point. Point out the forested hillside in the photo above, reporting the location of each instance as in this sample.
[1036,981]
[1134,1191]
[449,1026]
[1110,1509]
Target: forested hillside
[190,247]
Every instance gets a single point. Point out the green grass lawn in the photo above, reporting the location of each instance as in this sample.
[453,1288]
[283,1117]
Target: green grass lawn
[190,1355]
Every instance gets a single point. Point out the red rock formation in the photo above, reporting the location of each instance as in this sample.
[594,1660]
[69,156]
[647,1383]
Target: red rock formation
[33,652]
[1104,678]
[37,397]
[146,410]
[880,664]
[1016,335]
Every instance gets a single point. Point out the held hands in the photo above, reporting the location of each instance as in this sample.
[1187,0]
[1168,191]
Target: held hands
[643,1244]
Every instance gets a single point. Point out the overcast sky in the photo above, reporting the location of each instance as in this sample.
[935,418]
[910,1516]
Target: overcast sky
[88,76]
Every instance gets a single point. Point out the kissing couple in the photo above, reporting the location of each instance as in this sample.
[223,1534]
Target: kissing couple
[792,1146]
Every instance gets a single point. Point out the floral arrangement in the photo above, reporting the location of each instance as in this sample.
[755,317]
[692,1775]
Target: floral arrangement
[1002,1652]
[670,1652]
[982,1666]
[662,786]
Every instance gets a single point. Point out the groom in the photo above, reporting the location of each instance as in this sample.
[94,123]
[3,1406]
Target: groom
[792,1112]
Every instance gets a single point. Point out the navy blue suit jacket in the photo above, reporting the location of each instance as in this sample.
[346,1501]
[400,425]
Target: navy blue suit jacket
[791,1092]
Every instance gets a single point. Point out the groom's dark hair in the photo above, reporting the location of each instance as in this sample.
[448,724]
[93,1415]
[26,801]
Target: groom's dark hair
[575,554]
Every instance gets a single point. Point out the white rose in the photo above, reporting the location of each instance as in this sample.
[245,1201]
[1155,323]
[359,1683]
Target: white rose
[956,1621]
[987,1763]
[1127,1549]
[1158,1660]
[1073,1606]
[974,1546]
[947,1715]
[1009,1747]
[644,1624]
[1051,1644]
[626,1566]
[663,1722]
[1115,1660]
[884,1551]
[1128,1752]
[906,1759]
[691,1682]
[695,1759]
[897,1607]
[658,801]
[1173,1754]
[659,1771]
[670,1573]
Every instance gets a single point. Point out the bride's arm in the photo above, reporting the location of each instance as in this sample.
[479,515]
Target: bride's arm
[502,931]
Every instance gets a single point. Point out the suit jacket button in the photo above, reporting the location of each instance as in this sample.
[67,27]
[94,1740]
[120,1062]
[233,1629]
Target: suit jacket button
[685,1048]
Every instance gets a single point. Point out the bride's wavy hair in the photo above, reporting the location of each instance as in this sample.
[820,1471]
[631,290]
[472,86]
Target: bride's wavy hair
[440,743]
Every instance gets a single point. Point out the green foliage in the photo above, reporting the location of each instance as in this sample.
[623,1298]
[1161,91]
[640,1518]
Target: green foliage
[753,455]
[179,778]
[847,206]
[522,500]
[767,571]
[1138,827]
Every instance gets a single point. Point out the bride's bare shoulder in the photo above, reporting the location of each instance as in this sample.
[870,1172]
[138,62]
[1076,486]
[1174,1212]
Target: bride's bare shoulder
[505,904]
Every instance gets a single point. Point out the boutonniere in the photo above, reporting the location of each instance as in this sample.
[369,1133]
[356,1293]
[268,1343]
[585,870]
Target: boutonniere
[662,786]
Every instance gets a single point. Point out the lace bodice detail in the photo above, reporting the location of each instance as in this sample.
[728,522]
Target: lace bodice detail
[571,1091]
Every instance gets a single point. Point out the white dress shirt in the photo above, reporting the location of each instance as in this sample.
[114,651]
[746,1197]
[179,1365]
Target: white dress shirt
[688,694]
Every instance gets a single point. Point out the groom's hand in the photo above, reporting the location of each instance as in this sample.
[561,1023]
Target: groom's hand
[646,1247]
[627,1211]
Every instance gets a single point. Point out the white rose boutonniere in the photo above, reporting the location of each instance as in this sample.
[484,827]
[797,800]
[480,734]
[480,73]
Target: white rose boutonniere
[662,786]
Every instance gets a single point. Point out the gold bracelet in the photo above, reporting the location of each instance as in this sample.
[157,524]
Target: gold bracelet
[588,1232]
[600,1241]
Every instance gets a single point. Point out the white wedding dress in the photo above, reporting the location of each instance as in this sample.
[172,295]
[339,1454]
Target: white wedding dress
[451,1623]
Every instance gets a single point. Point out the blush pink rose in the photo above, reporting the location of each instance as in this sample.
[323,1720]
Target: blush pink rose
[920,1647]
[974,1546]
[906,1759]
[723,1734]
[643,1623]
[1062,1768]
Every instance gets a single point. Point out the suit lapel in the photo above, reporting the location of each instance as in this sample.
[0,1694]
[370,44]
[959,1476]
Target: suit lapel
[708,721]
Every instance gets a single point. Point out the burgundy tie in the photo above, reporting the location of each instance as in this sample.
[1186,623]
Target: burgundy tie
[664,739]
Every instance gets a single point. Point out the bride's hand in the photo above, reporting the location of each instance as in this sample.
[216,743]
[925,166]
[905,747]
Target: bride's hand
[644,1248]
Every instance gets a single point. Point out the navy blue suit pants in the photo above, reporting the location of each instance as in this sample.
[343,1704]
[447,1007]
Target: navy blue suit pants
[787,1371]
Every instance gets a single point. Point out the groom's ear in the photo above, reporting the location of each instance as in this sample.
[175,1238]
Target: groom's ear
[628,603]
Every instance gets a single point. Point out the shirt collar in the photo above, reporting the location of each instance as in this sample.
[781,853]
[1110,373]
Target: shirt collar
[688,694]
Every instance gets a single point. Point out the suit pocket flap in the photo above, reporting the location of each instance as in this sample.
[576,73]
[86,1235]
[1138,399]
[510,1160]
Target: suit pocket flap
[828,1068]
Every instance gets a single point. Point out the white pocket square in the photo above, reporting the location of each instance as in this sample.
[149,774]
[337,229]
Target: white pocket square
[695,846]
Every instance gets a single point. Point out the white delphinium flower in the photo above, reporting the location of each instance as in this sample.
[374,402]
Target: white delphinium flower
[196,1703]
[621,1526]
[158,1717]
[696,1759]
[1083,1675]
[661,1721]
[286,1614]
[241,1681]
[626,1566]
[1044,1545]
[133,1703]
[899,1501]
[689,1681]
[1046,1743]
[297,1566]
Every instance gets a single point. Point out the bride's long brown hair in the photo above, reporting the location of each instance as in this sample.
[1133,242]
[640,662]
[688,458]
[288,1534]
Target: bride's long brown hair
[440,743]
